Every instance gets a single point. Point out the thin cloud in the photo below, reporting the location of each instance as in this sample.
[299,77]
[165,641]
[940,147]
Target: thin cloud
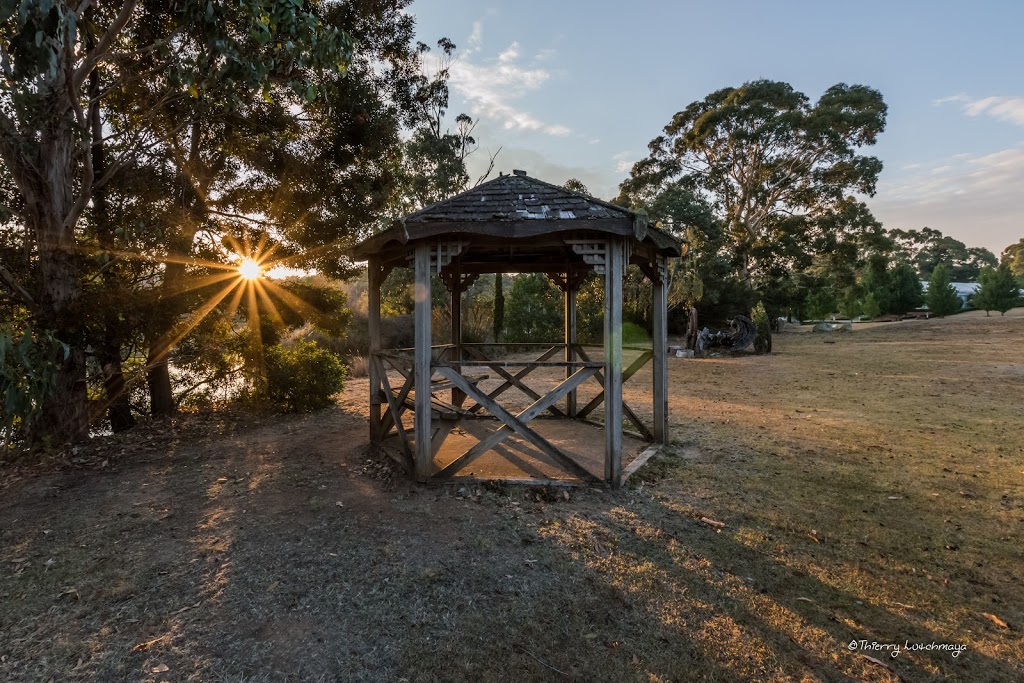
[623,161]
[1001,108]
[492,87]
[975,198]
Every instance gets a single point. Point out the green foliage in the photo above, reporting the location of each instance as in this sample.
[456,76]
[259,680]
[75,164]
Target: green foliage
[576,185]
[778,169]
[1013,257]
[998,290]
[499,306]
[634,334]
[315,301]
[821,304]
[763,340]
[927,248]
[852,304]
[302,377]
[590,311]
[905,291]
[30,365]
[942,297]
[876,281]
[533,312]
[870,307]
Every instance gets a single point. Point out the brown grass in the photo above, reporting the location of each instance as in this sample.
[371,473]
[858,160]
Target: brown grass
[870,490]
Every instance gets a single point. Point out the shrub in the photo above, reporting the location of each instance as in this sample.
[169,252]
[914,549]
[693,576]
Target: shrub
[29,367]
[763,340]
[871,307]
[942,297]
[396,332]
[821,304]
[533,310]
[998,290]
[302,377]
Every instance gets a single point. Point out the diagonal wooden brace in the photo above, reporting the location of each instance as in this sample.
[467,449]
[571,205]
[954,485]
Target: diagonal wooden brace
[512,380]
[629,372]
[516,424]
[640,362]
[395,407]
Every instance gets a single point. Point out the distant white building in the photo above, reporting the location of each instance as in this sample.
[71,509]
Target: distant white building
[964,290]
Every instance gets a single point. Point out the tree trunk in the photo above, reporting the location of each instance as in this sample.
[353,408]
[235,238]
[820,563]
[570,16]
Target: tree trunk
[119,410]
[158,376]
[192,188]
[47,181]
[161,398]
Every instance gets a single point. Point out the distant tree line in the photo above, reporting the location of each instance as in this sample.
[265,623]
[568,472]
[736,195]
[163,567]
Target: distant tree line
[763,184]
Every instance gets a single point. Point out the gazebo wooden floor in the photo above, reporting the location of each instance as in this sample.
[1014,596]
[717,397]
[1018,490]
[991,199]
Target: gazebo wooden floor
[517,460]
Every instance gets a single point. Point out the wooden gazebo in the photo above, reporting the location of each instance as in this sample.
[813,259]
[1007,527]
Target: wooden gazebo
[513,224]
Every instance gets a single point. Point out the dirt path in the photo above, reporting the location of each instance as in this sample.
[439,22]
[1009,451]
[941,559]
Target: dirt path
[871,489]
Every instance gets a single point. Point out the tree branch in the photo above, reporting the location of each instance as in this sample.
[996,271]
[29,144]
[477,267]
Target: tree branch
[15,287]
[98,53]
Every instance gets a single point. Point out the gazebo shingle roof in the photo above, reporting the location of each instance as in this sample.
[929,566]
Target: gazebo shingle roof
[518,206]
[518,197]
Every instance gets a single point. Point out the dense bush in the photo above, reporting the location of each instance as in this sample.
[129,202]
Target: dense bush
[763,340]
[533,310]
[302,377]
[942,297]
[397,332]
[821,304]
[29,365]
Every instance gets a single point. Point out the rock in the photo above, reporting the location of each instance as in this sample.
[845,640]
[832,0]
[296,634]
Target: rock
[834,327]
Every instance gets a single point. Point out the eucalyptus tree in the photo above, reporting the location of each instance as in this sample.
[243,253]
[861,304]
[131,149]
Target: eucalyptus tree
[779,170]
[1013,256]
[927,248]
[48,129]
[301,173]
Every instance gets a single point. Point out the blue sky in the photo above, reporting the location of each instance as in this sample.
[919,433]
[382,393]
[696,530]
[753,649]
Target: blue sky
[578,89]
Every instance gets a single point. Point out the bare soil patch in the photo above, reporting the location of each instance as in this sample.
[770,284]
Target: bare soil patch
[864,489]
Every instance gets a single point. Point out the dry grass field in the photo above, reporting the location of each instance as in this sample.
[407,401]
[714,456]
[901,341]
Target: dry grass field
[865,486]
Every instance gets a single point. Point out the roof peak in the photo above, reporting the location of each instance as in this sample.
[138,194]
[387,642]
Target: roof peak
[518,196]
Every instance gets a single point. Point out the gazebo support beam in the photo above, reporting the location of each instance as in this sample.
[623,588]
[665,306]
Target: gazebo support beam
[458,398]
[374,283]
[421,368]
[660,343]
[614,270]
[570,341]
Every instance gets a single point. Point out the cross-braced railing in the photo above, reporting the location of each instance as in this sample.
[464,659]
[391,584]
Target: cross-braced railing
[416,381]
[450,372]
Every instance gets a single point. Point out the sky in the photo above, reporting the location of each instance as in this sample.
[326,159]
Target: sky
[578,89]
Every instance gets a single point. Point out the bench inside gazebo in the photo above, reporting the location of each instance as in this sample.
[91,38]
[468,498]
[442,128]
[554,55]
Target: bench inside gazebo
[444,411]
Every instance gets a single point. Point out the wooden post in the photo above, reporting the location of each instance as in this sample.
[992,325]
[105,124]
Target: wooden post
[614,268]
[570,340]
[422,370]
[374,281]
[660,342]
[458,397]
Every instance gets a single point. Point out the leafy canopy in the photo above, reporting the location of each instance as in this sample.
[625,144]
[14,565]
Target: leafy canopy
[942,297]
[778,169]
[998,290]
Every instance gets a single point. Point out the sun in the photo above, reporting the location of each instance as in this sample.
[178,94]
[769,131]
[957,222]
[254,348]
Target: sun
[249,269]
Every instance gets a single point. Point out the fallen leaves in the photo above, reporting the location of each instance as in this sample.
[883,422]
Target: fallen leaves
[995,620]
[188,607]
[879,662]
[142,647]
